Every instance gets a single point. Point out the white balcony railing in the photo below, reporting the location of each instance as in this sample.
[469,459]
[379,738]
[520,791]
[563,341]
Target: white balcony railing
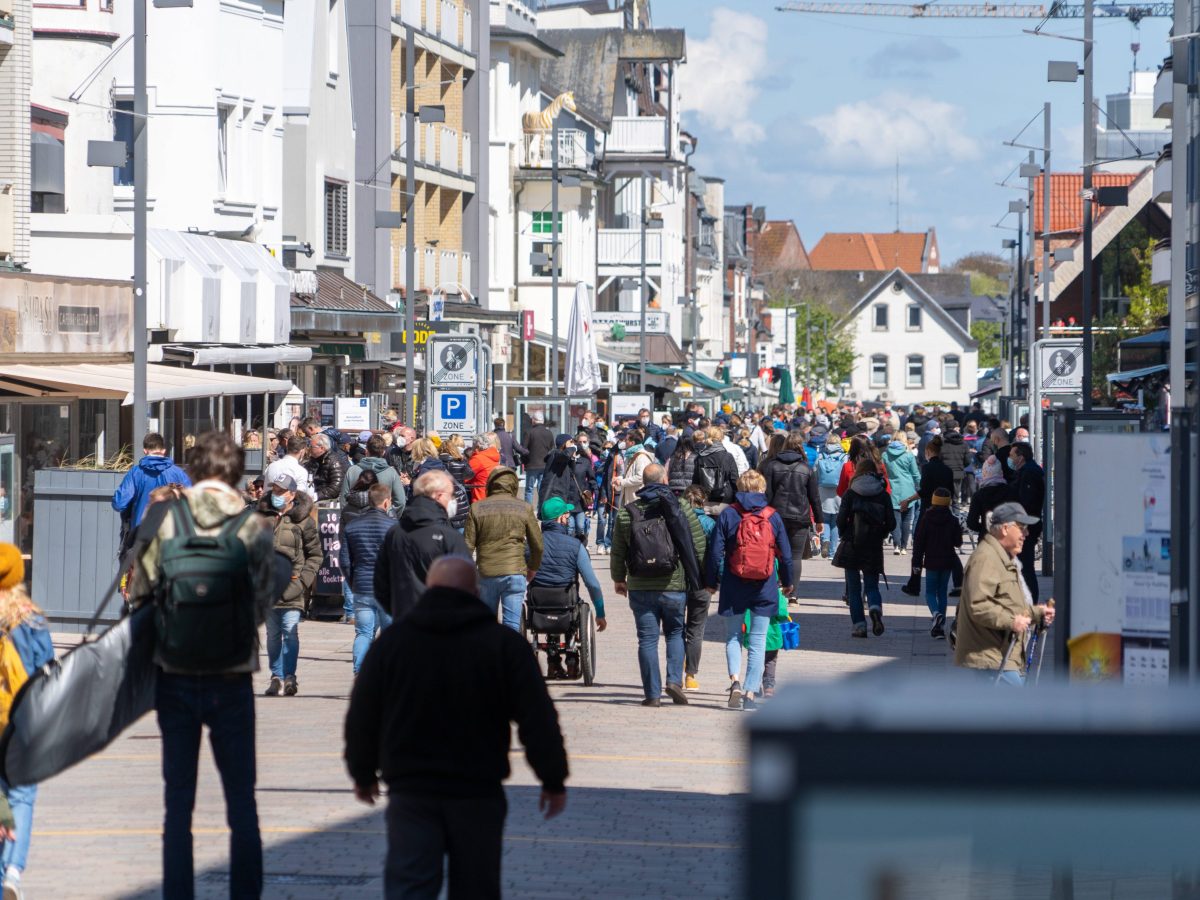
[448,30]
[448,273]
[468,34]
[431,16]
[572,150]
[1164,91]
[409,12]
[622,247]
[449,139]
[7,230]
[429,152]
[429,275]
[465,162]
[1162,179]
[638,134]
[1160,264]
[464,274]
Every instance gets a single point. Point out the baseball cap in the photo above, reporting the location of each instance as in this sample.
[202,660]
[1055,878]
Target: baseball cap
[364,436]
[1007,513]
[555,507]
[285,481]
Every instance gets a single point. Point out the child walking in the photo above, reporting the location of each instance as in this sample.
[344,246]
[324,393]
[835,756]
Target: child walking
[935,546]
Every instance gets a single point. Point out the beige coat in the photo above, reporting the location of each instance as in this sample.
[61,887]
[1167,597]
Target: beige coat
[634,478]
[992,596]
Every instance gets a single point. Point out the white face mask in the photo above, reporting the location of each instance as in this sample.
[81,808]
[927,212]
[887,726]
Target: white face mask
[400,441]
[452,508]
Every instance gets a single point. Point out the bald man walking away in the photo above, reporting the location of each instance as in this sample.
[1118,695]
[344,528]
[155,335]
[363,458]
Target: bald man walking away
[444,767]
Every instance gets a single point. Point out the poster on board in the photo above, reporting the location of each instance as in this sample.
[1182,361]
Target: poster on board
[329,576]
[627,406]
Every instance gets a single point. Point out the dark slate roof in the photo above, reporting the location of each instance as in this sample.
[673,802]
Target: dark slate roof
[337,292]
[590,62]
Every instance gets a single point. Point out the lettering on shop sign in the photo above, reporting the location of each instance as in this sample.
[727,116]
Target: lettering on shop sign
[329,576]
[35,315]
[79,319]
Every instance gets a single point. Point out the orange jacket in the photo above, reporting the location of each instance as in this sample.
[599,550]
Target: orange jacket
[482,463]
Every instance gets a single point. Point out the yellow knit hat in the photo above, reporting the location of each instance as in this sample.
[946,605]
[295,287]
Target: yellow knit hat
[12,567]
[436,438]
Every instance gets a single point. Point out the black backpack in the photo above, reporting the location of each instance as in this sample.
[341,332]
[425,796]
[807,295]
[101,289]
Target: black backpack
[205,610]
[714,479]
[652,553]
[870,524]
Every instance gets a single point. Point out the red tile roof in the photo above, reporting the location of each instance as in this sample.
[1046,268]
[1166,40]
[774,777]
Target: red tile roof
[779,247]
[1066,206]
[871,252]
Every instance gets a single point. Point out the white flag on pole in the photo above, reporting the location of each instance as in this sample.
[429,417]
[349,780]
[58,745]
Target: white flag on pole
[583,363]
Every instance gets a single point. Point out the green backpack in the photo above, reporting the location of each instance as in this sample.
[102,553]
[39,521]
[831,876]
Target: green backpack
[205,620]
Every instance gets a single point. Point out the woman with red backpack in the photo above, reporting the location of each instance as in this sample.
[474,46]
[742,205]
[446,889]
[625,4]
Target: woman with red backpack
[750,538]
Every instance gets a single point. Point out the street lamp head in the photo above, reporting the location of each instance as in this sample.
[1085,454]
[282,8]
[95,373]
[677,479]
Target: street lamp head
[1065,71]
[389,218]
[107,154]
[1008,244]
[431,113]
[1016,206]
[1030,170]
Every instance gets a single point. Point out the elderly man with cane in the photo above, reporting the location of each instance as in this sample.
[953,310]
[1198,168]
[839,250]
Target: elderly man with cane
[996,610]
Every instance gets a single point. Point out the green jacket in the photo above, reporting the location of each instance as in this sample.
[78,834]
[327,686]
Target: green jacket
[992,595]
[501,526]
[774,632]
[676,581]
[296,537]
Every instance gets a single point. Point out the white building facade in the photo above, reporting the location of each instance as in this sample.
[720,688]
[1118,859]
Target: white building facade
[907,348]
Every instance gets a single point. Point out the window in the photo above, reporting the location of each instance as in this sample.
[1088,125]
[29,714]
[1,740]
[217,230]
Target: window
[336,196]
[915,372]
[543,224]
[546,271]
[879,322]
[332,32]
[223,113]
[950,369]
[123,131]
[879,367]
[914,317]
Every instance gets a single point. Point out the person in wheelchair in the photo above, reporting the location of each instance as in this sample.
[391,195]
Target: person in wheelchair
[564,561]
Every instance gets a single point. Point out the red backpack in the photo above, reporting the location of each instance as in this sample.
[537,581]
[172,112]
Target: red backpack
[754,554]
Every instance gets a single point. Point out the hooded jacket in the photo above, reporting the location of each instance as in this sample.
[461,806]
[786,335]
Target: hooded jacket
[634,477]
[133,493]
[384,473]
[500,526]
[955,454]
[397,726]
[983,501]
[935,474]
[792,488]
[738,594]
[937,539]
[482,462]
[421,536]
[686,534]
[868,498]
[993,593]
[296,537]
[717,473]
[902,471]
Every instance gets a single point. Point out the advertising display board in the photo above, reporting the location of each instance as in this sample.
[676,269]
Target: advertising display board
[626,406]
[329,576]
[353,414]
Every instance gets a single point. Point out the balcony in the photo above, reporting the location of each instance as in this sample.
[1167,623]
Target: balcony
[572,150]
[431,16]
[468,31]
[409,12]
[448,29]
[1160,263]
[621,247]
[7,25]
[518,15]
[1161,190]
[428,274]
[464,274]
[7,231]
[639,135]
[448,272]
[1164,90]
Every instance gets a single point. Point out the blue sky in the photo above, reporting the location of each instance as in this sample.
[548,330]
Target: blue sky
[805,114]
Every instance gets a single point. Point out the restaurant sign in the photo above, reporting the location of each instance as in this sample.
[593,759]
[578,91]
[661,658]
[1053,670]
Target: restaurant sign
[50,314]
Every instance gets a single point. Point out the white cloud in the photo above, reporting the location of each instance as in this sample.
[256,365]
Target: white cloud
[870,133]
[725,73]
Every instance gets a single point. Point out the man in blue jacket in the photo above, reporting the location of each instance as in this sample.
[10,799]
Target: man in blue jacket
[362,542]
[153,470]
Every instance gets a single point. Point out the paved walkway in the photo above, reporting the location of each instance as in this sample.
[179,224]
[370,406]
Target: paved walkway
[653,795]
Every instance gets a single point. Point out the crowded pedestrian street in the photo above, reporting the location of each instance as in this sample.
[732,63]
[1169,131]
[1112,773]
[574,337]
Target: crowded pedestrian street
[653,798]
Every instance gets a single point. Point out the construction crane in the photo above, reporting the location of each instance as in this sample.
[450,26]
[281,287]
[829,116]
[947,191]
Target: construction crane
[1133,12]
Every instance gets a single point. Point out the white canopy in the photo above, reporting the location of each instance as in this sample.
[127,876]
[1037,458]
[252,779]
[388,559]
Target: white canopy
[114,381]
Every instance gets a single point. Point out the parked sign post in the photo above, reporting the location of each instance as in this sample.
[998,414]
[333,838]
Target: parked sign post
[1057,381]
[455,396]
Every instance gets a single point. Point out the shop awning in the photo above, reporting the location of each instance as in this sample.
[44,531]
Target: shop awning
[114,381]
[700,380]
[224,355]
[1135,374]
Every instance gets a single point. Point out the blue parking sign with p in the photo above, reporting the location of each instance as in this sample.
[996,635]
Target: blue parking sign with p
[454,406]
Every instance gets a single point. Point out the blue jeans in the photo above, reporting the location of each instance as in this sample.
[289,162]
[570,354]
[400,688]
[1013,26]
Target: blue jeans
[225,703]
[655,612]
[607,525]
[856,583]
[507,591]
[580,525]
[20,798]
[533,484]
[904,523]
[1010,677]
[347,600]
[756,648]
[937,586]
[368,618]
[283,641]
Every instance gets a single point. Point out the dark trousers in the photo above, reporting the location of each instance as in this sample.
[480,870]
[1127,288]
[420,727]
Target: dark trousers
[696,613]
[424,830]
[1028,569]
[798,533]
[956,571]
[186,703]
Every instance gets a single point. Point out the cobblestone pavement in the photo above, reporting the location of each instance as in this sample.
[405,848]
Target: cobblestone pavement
[653,808]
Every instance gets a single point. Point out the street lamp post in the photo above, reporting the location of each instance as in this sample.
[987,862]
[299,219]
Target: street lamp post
[1089,159]
[555,257]
[141,107]
[410,234]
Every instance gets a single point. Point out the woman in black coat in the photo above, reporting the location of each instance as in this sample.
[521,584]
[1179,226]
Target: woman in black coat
[864,520]
[681,467]
[792,492]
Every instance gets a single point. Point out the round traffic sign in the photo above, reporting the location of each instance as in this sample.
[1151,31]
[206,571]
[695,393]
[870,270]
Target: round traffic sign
[454,356]
[1062,363]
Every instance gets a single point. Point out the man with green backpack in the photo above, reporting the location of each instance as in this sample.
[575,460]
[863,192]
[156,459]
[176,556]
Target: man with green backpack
[209,571]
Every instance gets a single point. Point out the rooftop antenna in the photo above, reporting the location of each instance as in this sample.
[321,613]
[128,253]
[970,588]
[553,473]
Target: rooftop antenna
[896,201]
[1135,47]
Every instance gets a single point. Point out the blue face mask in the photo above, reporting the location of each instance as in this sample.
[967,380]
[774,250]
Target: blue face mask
[1008,461]
[278,501]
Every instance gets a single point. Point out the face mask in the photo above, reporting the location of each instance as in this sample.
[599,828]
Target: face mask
[1008,461]
[570,451]
[400,441]
[646,421]
[278,501]
[620,445]
[452,508]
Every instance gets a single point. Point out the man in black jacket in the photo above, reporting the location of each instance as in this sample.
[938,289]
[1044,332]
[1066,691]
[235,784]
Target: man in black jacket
[445,771]
[422,535]
[540,441]
[327,466]
[1029,489]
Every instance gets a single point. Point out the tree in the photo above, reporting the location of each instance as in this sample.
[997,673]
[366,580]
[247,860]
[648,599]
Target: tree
[988,336]
[1147,301]
[820,305]
[1147,306]
[991,264]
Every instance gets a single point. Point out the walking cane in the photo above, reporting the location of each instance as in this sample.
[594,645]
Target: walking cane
[1004,662]
[1037,674]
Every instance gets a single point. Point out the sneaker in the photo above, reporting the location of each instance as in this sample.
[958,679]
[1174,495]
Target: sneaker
[768,692]
[652,701]
[690,683]
[903,552]
[955,592]
[735,695]
[876,621]
[274,687]
[860,630]
[12,890]
[939,626]
[952,637]
[824,549]
[675,692]
[290,686]
[896,551]
[748,704]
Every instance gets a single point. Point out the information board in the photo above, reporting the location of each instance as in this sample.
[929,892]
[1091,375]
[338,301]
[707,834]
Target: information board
[329,576]
[627,406]
[353,414]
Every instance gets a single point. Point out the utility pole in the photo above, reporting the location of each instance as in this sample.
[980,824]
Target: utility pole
[1046,279]
[1015,330]
[1031,298]
[808,343]
[140,175]
[410,224]
[642,293]
[1089,160]
[554,258]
